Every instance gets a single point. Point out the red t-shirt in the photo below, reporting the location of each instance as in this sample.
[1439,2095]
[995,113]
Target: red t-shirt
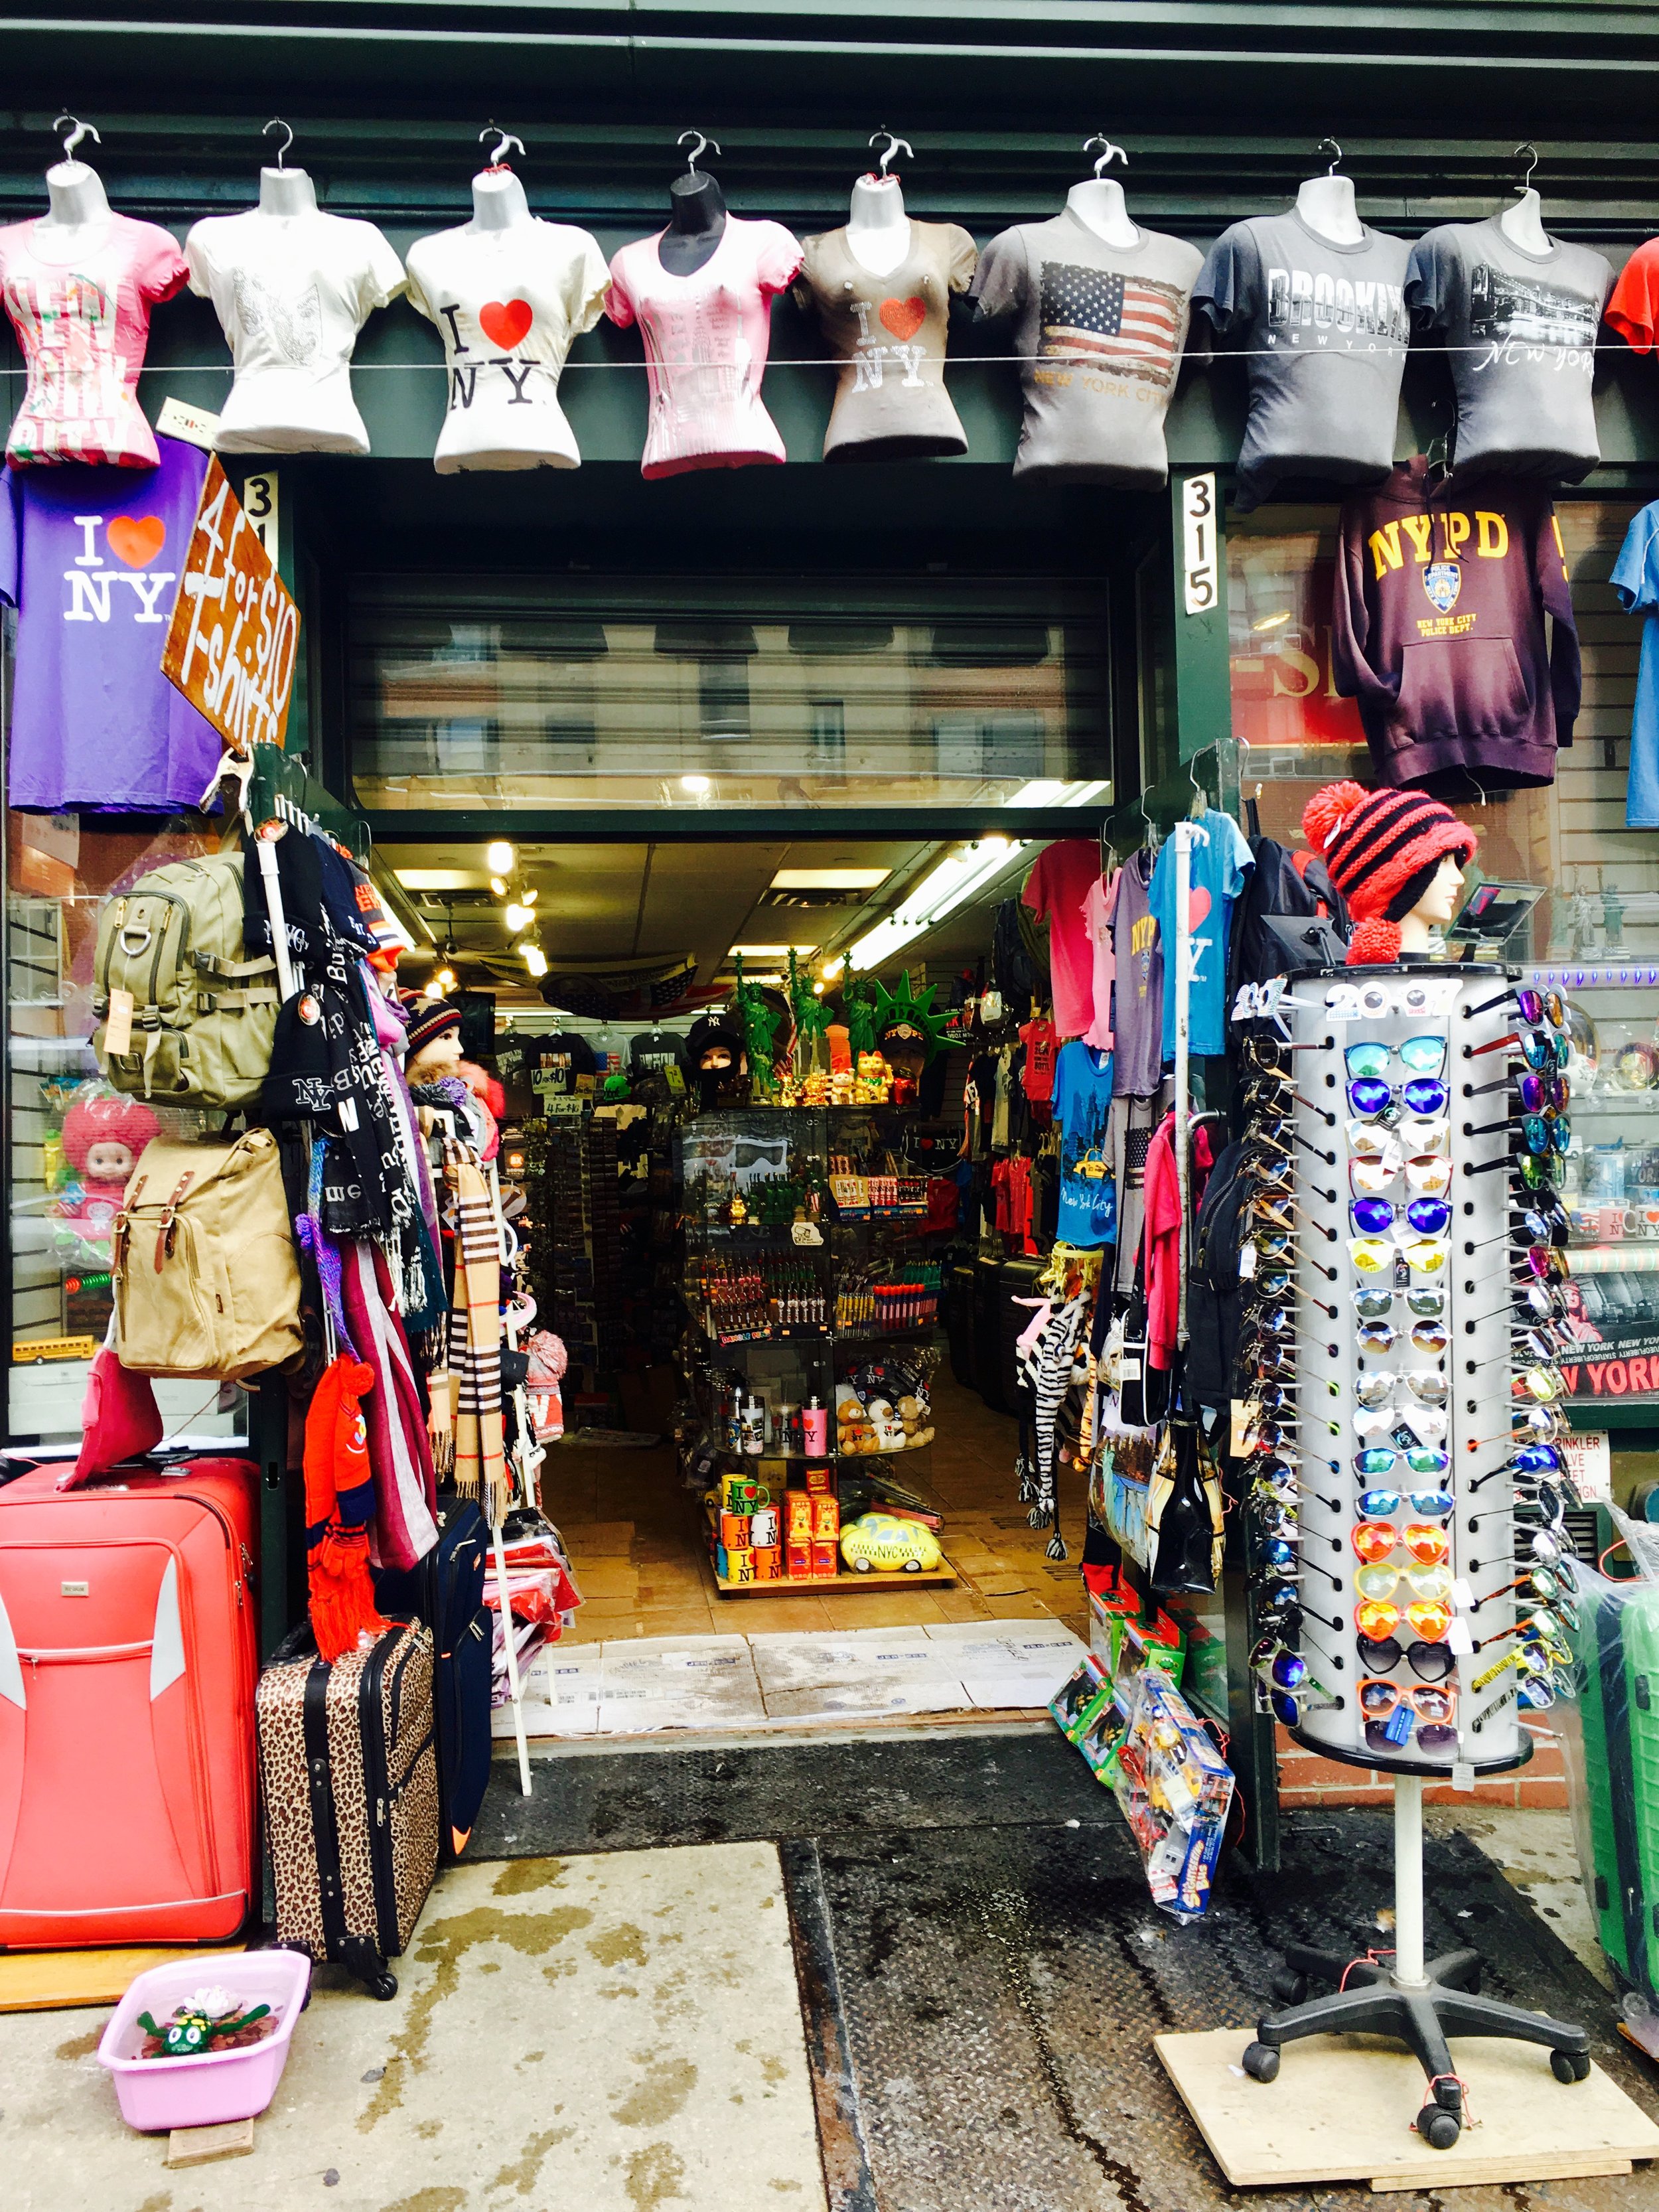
[1162,1237]
[1633,305]
[1041,1041]
[1056,889]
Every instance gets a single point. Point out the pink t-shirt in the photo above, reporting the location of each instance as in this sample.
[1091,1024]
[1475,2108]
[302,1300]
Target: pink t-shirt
[706,338]
[83,326]
[1098,920]
[1056,888]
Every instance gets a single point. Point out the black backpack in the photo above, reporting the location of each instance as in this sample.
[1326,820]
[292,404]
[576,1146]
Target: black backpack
[1019,965]
[1213,1289]
[1276,891]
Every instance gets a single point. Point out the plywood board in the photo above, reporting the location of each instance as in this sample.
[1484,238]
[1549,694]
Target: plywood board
[820,1585]
[1342,2109]
[55,1981]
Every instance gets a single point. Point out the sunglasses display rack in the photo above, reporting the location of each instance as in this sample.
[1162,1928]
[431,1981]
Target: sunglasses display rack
[1384,1526]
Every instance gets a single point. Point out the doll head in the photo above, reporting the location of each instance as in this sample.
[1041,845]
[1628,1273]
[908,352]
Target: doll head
[104,1137]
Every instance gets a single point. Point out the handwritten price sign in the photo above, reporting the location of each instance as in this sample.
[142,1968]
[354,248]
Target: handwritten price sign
[235,637]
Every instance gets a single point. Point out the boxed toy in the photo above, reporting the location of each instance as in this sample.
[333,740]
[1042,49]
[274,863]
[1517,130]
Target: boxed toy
[798,1559]
[1077,1700]
[1175,1790]
[826,1558]
[826,1521]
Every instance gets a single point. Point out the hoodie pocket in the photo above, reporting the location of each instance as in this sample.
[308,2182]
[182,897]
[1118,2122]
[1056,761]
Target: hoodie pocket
[1474,687]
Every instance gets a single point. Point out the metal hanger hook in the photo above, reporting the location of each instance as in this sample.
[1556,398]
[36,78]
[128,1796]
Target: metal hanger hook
[1335,149]
[894,145]
[282,151]
[1525,184]
[81,131]
[1109,154]
[698,150]
[503,140]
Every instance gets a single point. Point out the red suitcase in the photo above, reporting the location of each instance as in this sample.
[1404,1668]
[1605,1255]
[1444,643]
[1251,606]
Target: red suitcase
[128,1660]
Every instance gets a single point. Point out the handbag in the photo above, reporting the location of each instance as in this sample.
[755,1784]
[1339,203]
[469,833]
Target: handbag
[1183,1511]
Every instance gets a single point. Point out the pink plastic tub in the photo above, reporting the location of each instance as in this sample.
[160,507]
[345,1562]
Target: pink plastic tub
[223,2085]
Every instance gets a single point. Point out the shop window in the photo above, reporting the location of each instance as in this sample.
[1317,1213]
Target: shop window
[1596,925]
[61,1188]
[468,693]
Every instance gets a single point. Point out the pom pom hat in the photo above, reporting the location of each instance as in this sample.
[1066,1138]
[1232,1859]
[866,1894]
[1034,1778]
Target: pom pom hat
[1382,849]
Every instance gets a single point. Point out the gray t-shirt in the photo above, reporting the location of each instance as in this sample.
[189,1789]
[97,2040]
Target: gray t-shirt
[1324,329]
[1099,338]
[1520,330]
[890,334]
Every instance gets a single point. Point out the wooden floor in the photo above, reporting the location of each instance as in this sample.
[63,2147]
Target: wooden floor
[635,1542]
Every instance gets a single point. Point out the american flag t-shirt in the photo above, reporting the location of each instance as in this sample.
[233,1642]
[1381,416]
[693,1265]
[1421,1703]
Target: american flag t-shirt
[1130,325]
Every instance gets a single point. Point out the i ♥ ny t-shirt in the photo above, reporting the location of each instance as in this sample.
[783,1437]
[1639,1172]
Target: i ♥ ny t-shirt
[508,304]
[83,326]
[91,559]
[291,292]
[706,336]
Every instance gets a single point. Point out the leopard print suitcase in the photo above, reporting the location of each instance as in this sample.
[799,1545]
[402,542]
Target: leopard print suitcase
[349,1766]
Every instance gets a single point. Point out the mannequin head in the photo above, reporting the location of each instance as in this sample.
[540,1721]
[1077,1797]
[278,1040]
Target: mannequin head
[1394,856]
[498,200]
[435,1039]
[286,192]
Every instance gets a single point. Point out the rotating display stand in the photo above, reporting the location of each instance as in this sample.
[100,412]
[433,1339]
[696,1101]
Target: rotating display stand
[1445,1385]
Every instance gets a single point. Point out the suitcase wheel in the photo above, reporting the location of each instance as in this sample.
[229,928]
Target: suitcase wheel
[384,1985]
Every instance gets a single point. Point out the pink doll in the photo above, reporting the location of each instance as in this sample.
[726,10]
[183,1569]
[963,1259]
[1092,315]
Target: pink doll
[103,1138]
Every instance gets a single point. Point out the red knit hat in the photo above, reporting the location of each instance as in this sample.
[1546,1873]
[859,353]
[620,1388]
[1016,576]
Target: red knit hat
[1382,849]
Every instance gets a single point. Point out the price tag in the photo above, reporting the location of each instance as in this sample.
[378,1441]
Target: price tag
[805,1232]
[1462,1774]
[117,1034]
[1458,1638]
[1461,1595]
[1238,1436]
[675,1079]
[1247,1257]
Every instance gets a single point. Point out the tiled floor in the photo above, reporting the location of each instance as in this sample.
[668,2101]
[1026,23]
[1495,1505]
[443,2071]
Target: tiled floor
[635,1543]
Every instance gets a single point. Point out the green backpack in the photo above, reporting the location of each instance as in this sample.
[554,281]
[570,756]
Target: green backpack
[203,1018]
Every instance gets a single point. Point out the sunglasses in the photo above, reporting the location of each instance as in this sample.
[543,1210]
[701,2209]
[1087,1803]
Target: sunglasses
[1542,1383]
[1426,1504]
[1429,1662]
[1418,1055]
[1383,1335]
[1423,1173]
[1376,1541]
[1369,1140]
[1288,1706]
[1402,1727]
[1535,1695]
[1378,1217]
[1386,1581]
[1542,1053]
[1371,1099]
[1416,1459]
[1425,1385]
[1433,1702]
[1429,1618]
[1372,1302]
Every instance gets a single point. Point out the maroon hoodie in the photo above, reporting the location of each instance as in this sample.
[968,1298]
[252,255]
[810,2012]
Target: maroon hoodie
[1439,630]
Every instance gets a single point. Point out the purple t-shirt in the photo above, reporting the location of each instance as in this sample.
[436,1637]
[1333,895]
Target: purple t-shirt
[1138,991]
[91,557]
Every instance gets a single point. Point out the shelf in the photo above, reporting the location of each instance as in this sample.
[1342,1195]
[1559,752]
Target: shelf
[767,1336]
[816,1459]
[846,1579]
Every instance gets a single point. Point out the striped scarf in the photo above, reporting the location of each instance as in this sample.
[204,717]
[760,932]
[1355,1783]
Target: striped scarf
[475,1341]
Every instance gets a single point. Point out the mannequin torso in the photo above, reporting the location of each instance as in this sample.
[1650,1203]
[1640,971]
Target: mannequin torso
[285,193]
[1326,205]
[878,228]
[1097,203]
[1522,224]
[78,218]
[696,223]
[498,201]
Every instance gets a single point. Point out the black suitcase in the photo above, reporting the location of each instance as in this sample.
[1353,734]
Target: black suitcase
[987,1329]
[448,1590]
[1019,1279]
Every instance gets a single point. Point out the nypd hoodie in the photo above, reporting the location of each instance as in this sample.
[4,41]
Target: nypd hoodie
[1438,631]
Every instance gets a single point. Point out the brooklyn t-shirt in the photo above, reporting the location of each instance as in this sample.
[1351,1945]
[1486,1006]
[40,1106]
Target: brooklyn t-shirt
[1519,330]
[1098,335]
[1324,330]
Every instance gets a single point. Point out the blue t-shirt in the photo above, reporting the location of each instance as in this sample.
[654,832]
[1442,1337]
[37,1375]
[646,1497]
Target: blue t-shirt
[1083,1106]
[1218,863]
[1635,580]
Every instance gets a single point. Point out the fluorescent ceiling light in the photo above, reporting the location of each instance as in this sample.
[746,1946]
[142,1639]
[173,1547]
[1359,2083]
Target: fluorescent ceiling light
[440,879]
[1271,621]
[830,879]
[696,785]
[956,879]
[1048,792]
[769,951]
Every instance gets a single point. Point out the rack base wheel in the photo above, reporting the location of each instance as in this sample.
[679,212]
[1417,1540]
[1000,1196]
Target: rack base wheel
[1260,2061]
[1438,2128]
[1289,1987]
[1570,2065]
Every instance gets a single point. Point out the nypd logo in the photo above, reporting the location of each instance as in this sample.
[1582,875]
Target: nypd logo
[1443,580]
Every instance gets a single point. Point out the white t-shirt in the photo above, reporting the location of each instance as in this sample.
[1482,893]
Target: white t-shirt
[291,292]
[507,305]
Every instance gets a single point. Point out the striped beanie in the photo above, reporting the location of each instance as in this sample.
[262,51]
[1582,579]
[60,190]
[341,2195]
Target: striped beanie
[1382,849]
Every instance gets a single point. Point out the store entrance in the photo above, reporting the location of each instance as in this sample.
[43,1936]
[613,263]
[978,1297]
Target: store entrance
[777,1412]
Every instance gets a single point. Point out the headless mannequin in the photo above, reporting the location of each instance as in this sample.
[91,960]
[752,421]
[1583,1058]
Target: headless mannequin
[696,223]
[878,228]
[1437,904]
[284,193]
[78,221]
[1326,205]
[498,201]
[1522,224]
[1097,203]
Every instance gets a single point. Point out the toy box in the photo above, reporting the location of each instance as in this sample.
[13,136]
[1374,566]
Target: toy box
[798,1517]
[826,1558]
[826,1521]
[1074,1704]
[798,1559]
[1175,1790]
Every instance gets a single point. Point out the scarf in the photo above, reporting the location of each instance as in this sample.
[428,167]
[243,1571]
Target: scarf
[475,1341]
[405,1490]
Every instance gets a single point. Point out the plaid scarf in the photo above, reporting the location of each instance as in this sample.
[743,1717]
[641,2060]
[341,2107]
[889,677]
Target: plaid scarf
[475,1341]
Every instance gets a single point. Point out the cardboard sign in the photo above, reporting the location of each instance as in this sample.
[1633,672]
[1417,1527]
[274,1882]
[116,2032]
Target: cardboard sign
[233,644]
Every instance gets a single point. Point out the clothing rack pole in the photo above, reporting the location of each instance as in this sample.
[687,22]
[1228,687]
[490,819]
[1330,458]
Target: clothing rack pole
[1183,834]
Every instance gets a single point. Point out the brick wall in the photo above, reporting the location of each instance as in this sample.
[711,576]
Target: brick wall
[1306,1779]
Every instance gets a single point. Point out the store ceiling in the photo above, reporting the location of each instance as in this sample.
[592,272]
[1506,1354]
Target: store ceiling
[622,903]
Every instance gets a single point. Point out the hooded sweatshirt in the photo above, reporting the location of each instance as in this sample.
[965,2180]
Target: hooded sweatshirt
[1438,631]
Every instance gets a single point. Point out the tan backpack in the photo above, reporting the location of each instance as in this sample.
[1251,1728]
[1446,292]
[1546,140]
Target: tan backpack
[202,1261]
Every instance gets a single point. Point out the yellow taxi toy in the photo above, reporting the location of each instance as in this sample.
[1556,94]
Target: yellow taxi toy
[881,1543]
